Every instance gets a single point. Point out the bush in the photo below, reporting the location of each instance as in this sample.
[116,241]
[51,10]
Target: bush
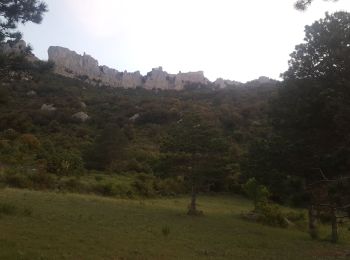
[43,181]
[30,141]
[111,189]
[17,180]
[73,185]
[145,185]
[7,209]
[272,215]
[258,193]
[169,187]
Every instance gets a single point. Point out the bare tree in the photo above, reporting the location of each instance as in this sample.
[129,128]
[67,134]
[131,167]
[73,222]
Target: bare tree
[329,196]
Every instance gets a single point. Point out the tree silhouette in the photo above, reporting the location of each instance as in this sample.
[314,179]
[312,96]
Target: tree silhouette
[13,12]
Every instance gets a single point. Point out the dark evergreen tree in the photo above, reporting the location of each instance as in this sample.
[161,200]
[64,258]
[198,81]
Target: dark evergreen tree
[196,150]
[108,146]
[13,12]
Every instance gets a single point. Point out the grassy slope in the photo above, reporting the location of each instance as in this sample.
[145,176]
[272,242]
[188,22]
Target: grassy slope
[66,226]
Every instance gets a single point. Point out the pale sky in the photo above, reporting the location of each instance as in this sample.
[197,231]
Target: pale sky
[233,39]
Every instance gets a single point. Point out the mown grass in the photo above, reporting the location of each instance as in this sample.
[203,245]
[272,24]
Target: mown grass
[70,226]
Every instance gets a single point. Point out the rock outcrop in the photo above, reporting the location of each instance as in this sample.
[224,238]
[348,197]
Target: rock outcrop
[223,83]
[48,107]
[81,116]
[18,48]
[71,64]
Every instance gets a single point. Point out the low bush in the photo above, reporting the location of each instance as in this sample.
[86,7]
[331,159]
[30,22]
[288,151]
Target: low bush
[145,185]
[273,216]
[7,209]
[73,185]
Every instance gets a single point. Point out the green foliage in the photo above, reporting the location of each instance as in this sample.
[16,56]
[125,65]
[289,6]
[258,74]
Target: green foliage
[61,161]
[196,150]
[13,12]
[53,143]
[325,52]
[272,215]
[311,112]
[7,209]
[108,147]
[257,192]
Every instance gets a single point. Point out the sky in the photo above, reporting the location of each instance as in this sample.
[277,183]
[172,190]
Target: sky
[232,39]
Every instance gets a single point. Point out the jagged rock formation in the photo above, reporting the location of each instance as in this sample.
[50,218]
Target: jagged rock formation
[71,64]
[223,83]
[18,48]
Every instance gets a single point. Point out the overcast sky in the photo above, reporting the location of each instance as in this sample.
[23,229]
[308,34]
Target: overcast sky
[234,39]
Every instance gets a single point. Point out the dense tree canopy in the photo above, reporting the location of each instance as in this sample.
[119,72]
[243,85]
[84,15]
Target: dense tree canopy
[310,116]
[312,110]
[13,12]
[196,149]
[326,51]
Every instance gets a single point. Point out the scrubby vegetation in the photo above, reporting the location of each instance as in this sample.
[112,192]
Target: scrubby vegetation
[49,149]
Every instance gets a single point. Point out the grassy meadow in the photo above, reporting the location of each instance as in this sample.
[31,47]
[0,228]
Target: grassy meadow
[43,225]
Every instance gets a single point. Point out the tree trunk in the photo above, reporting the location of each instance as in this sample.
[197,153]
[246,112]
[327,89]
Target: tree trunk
[193,206]
[313,223]
[334,226]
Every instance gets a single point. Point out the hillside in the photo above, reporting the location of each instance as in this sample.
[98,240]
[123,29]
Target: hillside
[64,127]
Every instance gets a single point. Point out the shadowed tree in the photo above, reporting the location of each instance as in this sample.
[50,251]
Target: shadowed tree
[312,112]
[196,150]
[13,12]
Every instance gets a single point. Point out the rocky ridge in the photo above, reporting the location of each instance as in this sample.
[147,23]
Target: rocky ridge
[71,64]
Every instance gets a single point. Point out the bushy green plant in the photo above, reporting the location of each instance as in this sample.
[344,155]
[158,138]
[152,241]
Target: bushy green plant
[145,185]
[257,192]
[7,209]
[15,177]
[272,215]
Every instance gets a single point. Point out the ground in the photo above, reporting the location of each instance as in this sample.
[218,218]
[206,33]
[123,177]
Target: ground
[48,225]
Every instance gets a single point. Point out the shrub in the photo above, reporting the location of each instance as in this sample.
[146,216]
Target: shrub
[42,181]
[169,186]
[7,209]
[30,141]
[17,180]
[145,185]
[258,193]
[106,189]
[272,215]
[73,185]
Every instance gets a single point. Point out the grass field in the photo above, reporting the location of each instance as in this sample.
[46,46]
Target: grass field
[46,225]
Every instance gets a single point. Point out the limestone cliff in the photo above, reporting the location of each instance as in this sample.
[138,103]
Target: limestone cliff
[71,64]
[18,48]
